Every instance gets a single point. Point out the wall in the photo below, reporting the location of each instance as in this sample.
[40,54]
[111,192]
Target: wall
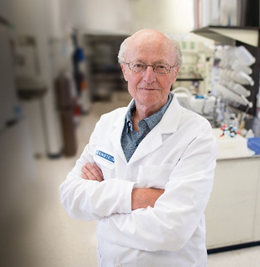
[127,16]
[110,16]
[171,16]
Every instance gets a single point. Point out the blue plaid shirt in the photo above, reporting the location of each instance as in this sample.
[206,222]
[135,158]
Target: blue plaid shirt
[130,139]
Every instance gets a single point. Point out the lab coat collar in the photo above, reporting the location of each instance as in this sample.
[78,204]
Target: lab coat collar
[170,120]
[168,125]
[115,135]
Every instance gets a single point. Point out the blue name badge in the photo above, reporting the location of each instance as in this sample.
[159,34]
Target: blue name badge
[104,157]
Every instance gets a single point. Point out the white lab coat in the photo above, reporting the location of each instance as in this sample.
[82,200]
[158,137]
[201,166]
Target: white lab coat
[178,155]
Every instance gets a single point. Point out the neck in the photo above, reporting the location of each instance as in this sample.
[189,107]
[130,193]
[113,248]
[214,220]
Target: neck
[142,111]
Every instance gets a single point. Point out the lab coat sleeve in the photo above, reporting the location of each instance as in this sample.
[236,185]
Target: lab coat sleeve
[91,200]
[178,212]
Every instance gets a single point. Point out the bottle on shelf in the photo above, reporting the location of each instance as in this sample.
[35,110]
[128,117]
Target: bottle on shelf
[237,65]
[244,55]
[238,88]
[241,77]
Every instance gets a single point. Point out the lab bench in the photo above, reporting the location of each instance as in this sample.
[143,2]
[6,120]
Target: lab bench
[233,212]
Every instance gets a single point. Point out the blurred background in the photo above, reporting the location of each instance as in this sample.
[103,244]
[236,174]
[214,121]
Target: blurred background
[58,74]
[63,57]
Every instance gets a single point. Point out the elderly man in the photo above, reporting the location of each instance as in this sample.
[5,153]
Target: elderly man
[147,172]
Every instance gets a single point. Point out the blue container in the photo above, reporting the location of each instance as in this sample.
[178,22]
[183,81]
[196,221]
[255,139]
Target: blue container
[254,144]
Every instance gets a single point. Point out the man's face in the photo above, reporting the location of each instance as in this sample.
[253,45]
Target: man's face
[148,88]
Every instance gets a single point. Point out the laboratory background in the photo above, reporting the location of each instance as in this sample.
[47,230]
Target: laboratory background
[59,74]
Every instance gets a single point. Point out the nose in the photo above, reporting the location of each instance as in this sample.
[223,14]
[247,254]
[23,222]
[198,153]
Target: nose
[149,76]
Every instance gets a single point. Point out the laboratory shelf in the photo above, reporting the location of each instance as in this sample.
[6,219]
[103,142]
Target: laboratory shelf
[189,77]
[229,35]
[239,36]
[103,71]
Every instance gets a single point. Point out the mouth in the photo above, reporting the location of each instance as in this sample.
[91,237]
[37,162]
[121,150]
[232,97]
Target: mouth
[148,89]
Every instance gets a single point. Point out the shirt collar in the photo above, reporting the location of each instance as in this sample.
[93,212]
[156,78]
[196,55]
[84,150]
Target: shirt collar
[151,121]
[129,113]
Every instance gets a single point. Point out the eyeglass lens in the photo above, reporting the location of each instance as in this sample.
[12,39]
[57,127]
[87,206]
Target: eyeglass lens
[158,68]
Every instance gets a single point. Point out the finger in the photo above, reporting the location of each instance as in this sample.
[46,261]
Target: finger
[94,169]
[89,175]
[92,173]
[88,165]
[84,173]
[87,168]
[84,176]
[99,171]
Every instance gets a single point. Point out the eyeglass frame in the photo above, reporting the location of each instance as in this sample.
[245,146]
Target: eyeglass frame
[149,65]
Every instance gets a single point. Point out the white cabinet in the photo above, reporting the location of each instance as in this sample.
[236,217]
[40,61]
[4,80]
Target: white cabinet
[257,214]
[233,212]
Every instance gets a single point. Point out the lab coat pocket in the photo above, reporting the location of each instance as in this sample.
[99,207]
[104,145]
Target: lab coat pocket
[155,176]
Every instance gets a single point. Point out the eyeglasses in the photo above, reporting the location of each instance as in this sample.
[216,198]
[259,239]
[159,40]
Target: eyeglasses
[157,68]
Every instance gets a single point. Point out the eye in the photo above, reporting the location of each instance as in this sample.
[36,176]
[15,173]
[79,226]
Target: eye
[138,66]
[160,68]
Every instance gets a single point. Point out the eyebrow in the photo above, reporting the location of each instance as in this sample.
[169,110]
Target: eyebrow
[156,62]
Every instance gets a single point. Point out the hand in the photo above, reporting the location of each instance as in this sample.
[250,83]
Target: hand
[144,197]
[92,172]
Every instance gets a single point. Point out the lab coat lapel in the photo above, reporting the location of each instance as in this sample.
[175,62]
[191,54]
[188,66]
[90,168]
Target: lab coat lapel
[167,125]
[171,119]
[151,142]
[115,135]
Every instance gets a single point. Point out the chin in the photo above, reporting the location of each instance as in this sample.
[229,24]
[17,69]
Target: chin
[150,100]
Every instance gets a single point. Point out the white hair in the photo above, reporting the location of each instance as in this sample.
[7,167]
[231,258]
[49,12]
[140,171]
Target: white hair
[124,47]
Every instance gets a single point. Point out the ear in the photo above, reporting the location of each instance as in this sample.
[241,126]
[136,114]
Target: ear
[175,72]
[123,71]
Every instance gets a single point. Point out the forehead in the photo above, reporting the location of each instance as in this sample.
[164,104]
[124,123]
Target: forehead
[150,48]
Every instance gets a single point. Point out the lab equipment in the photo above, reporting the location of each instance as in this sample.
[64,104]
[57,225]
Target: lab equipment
[200,104]
[241,77]
[230,130]
[239,53]
[254,144]
[238,88]
[229,147]
[242,54]
[231,96]
[236,65]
